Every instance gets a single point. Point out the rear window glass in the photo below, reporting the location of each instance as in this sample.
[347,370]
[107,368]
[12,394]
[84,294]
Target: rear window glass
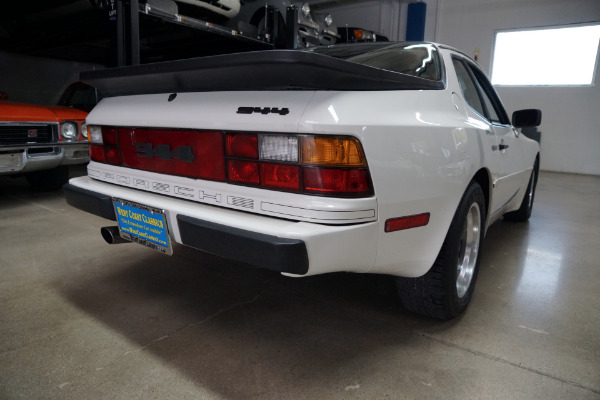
[416,59]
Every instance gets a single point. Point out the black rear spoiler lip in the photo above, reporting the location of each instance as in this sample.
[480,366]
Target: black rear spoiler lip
[260,70]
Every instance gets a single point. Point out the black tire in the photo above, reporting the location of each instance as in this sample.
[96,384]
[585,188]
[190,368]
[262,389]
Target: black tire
[50,179]
[446,289]
[524,211]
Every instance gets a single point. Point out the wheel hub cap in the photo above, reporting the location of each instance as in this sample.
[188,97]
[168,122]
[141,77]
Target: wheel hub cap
[468,250]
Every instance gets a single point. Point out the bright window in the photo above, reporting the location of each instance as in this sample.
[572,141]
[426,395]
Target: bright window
[550,56]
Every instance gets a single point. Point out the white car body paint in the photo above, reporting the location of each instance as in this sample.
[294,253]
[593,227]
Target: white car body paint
[423,148]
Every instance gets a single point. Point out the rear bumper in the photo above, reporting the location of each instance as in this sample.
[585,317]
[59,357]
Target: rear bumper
[257,249]
[289,247]
[89,201]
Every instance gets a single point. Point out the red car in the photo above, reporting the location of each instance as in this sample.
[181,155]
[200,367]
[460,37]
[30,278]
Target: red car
[40,142]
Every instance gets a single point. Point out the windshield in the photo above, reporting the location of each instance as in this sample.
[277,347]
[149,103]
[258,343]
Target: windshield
[416,59]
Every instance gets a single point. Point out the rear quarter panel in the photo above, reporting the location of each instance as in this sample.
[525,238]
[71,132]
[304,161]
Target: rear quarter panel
[422,153]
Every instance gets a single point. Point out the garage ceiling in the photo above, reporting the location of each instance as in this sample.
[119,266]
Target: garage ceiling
[63,29]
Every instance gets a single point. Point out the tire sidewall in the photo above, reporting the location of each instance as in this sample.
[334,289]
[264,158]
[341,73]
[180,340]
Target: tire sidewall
[531,187]
[526,207]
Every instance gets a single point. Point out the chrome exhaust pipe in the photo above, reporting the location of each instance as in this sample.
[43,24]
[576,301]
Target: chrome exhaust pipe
[111,235]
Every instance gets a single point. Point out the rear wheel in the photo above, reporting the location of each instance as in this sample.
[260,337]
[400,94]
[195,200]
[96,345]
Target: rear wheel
[446,289]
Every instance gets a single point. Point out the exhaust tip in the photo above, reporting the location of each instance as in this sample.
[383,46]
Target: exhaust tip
[111,235]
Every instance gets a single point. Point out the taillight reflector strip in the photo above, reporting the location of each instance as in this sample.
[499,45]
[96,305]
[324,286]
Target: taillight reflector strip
[313,164]
[408,222]
[175,152]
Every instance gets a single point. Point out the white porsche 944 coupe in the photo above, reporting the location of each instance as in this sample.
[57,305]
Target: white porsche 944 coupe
[385,158]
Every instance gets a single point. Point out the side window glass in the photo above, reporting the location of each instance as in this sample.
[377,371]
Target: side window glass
[467,86]
[489,106]
[493,105]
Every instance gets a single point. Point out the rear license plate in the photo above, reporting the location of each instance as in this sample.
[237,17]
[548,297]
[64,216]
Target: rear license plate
[143,224]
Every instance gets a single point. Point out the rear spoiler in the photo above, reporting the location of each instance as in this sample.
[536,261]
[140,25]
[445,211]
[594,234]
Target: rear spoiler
[260,70]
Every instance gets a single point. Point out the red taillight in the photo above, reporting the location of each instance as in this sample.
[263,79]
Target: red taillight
[242,145]
[105,147]
[324,165]
[97,153]
[243,172]
[112,155]
[109,136]
[280,176]
[105,154]
[336,181]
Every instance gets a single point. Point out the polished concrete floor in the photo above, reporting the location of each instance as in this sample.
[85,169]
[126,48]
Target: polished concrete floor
[80,319]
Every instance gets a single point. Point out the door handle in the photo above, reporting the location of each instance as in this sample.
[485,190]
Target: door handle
[502,146]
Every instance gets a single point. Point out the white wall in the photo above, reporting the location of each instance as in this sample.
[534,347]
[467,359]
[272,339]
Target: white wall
[571,115]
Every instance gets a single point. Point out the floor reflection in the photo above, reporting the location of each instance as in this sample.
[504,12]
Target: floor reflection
[541,272]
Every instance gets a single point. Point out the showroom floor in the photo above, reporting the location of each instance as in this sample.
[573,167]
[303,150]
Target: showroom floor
[80,319]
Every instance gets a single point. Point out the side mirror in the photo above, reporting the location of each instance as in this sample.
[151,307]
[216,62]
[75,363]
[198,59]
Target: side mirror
[527,118]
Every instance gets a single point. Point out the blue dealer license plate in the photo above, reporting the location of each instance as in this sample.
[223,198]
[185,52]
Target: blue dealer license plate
[143,224]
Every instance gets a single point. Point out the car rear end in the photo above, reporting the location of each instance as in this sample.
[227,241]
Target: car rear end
[260,171]
[245,185]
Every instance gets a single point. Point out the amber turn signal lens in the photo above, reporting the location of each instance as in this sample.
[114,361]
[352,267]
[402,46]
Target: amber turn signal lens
[332,151]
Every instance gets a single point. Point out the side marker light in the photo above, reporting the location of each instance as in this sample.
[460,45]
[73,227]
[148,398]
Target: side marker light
[409,222]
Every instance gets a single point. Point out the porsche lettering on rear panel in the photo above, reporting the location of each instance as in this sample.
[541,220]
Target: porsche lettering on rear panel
[263,110]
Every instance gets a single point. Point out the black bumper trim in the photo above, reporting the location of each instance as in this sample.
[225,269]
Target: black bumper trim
[93,202]
[256,249]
